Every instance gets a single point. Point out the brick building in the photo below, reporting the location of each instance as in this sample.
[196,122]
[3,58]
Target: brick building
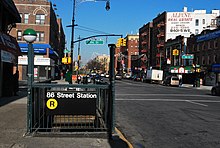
[40,16]
[206,50]
[168,25]
[126,57]
[9,49]
[145,44]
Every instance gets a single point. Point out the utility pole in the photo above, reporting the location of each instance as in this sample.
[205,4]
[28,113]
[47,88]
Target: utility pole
[78,61]
[72,37]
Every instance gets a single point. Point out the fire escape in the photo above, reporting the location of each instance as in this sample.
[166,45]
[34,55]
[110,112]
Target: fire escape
[160,44]
[144,50]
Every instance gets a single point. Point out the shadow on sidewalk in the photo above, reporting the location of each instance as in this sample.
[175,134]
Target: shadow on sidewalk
[6,100]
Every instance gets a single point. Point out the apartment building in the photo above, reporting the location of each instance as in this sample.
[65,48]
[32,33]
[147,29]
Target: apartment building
[168,25]
[50,43]
[206,50]
[145,44]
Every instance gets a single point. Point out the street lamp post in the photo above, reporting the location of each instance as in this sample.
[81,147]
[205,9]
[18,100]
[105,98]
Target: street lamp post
[30,36]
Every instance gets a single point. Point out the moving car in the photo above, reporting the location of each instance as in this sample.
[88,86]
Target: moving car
[171,81]
[215,90]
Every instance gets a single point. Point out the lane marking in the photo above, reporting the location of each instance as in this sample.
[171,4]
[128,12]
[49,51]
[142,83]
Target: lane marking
[184,95]
[197,103]
[168,100]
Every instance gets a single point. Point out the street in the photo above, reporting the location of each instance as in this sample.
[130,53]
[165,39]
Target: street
[156,116]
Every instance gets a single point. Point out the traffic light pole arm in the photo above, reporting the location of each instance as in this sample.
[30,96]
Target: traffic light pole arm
[101,35]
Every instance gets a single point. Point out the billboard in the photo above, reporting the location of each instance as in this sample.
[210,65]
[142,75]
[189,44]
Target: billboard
[179,23]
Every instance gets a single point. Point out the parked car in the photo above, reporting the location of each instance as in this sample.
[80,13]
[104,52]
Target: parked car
[215,90]
[98,79]
[107,75]
[171,81]
[118,76]
[102,75]
[127,76]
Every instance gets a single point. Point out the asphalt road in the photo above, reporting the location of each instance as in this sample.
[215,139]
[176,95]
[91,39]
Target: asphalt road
[156,116]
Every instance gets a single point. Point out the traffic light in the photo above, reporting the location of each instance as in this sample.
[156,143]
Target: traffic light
[119,42]
[66,60]
[123,42]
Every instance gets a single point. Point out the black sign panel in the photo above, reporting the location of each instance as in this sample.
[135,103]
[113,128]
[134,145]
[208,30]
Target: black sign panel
[70,103]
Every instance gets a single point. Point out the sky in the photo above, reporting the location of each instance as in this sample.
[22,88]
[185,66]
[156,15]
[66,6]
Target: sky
[124,17]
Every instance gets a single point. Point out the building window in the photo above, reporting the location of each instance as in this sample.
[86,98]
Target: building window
[19,35]
[40,19]
[26,17]
[203,46]
[21,15]
[203,21]
[203,60]
[40,36]
[213,22]
[209,44]
[208,60]
[216,44]
[196,31]
[197,48]
[197,22]
[215,59]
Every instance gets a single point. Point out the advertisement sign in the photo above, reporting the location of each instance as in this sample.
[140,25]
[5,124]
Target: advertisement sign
[179,23]
[70,103]
[23,60]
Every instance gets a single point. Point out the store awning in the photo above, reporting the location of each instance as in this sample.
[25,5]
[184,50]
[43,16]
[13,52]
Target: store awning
[216,68]
[38,48]
[9,43]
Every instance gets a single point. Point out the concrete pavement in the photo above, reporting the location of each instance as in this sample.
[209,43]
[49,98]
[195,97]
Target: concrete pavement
[13,115]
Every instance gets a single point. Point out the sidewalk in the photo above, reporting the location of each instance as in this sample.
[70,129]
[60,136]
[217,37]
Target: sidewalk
[202,87]
[13,115]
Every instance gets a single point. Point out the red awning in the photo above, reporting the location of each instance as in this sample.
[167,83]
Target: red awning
[9,43]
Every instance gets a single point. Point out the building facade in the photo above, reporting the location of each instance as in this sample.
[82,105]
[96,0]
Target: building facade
[168,25]
[145,44]
[206,50]
[9,49]
[127,57]
[40,16]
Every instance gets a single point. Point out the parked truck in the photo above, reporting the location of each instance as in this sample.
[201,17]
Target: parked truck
[154,76]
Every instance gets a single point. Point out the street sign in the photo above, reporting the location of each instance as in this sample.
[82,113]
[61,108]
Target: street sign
[187,56]
[66,51]
[94,42]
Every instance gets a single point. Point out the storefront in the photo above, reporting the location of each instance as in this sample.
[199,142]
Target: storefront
[216,70]
[44,65]
[9,52]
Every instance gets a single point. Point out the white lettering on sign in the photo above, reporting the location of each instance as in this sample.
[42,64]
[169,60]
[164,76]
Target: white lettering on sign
[71,95]
[62,95]
[86,95]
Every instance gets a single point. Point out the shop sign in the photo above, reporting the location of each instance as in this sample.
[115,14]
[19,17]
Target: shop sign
[7,57]
[70,103]
[23,60]
[9,43]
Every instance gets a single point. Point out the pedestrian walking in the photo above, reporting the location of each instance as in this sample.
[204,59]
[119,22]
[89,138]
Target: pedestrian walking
[180,82]
[15,83]
[68,76]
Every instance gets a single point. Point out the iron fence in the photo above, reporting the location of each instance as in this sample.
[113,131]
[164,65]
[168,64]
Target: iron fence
[66,108]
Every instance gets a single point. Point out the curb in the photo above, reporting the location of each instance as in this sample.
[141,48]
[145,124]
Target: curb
[121,136]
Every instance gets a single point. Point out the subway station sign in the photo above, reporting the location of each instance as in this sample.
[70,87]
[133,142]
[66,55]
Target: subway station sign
[70,103]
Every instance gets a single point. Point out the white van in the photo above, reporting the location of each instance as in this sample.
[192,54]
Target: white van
[171,81]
